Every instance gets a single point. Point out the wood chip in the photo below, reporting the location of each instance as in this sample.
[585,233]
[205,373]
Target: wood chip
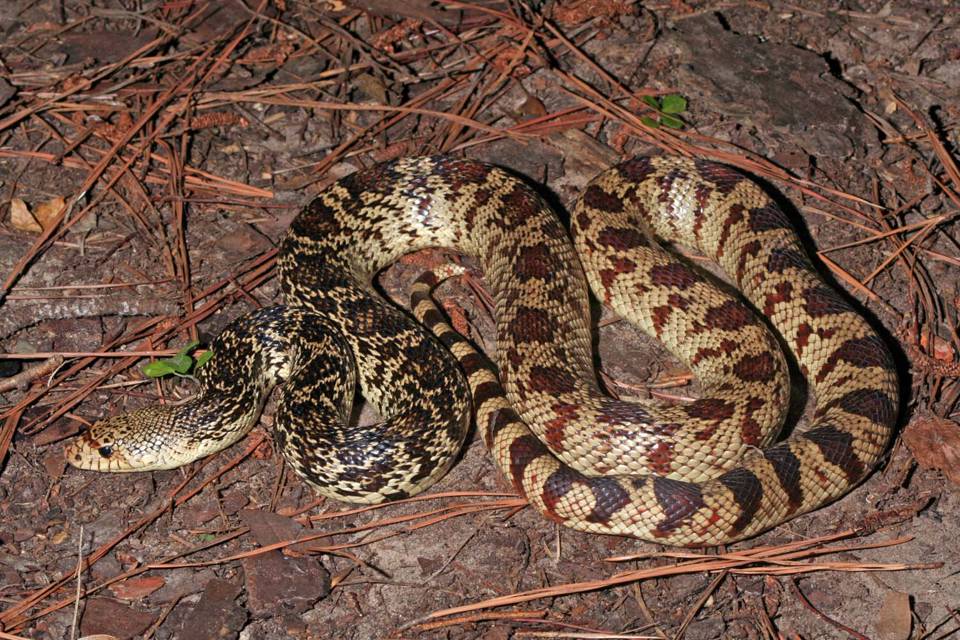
[935,443]
[896,618]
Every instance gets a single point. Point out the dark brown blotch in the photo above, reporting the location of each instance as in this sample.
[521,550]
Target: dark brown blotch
[555,430]
[620,239]
[534,262]
[747,491]
[522,201]
[783,292]
[661,457]
[756,368]
[729,316]
[724,178]
[582,221]
[837,448]
[787,467]
[679,501]
[747,251]
[597,198]
[768,218]
[609,497]
[872,404]
[734,217]
[555,487]
[869,351]
[485,392]
[550,380]
[660,315]
[530,324]
[804,331]
[712,409]
[523,451]
[636,170]
[462,172]
[674,275]
[750,431]
[823,301]
[620,266]
[725,348]
[782,259]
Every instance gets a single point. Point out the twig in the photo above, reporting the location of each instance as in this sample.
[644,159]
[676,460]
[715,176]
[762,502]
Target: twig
[23,379]
[806,603]
[76,606]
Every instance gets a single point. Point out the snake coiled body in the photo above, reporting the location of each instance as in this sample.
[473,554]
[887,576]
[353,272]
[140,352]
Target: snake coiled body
[698,473]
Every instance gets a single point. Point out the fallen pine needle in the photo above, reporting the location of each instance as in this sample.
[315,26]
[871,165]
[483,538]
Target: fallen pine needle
[773,560]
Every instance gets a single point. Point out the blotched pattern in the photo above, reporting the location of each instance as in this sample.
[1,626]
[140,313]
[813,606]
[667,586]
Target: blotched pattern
[700,473]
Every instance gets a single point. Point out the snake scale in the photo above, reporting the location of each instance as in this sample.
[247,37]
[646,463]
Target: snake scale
[698,473]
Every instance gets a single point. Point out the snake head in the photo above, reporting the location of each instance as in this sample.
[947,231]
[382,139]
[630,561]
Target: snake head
[136,441]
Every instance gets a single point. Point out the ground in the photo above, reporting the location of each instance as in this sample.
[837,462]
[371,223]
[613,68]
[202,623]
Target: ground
[184,136]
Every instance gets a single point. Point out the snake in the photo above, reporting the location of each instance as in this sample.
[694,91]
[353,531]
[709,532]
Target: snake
[701,472]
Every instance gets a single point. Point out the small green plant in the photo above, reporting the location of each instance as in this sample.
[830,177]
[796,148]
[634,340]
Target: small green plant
[179,365]
[668,108]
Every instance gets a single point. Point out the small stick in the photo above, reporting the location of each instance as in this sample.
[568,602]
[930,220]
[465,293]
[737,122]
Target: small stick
[806,603]
[76,605]
[25,377]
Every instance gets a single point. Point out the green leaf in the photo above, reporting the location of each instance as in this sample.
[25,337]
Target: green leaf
[650,122]
[178,365]
[157,369]
[672,122]
[206,537]
[673,103]
[189,347]
[181,362]
[651,101]
[203,358]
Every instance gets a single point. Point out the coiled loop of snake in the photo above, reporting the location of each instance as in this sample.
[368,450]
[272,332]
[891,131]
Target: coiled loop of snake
[688,474]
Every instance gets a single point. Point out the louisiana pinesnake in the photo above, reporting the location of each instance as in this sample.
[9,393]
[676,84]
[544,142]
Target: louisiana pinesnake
[697,473]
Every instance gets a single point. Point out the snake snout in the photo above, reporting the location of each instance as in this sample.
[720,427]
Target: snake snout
[110,445]
[92,453]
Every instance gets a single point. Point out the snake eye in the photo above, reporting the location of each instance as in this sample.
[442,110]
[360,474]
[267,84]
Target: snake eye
[105,451]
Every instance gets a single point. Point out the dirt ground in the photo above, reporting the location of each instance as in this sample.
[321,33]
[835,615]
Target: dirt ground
[184,135]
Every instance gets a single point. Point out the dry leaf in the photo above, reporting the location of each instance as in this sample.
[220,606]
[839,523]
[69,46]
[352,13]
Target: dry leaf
[135,588]
[935,443]
[46,212]
[533,106]
[60,536]
[370,88]
[895,619]
[42,216]
[21,218]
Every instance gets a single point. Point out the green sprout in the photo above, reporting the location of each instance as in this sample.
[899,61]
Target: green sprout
[178,365]
[668,109]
